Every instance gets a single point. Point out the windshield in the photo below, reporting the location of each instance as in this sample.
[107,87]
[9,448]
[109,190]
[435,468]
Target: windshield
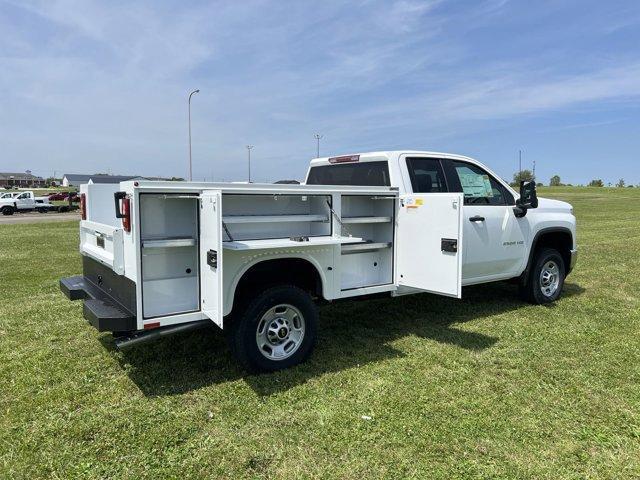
[363,174]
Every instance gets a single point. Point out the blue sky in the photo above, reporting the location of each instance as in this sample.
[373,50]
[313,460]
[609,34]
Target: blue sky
[102,86]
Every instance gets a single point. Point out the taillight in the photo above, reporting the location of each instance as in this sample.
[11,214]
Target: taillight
[126,214]
[345,159]
[83,206]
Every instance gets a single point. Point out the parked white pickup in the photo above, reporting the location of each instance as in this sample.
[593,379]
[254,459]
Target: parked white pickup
[162,257]
[23,201]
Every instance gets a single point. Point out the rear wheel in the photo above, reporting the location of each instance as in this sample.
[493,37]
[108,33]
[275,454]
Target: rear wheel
[276,330]
[7,210]
[546,277]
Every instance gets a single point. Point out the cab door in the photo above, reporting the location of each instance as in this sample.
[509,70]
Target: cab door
[494,237]
[429,243]
[211,301]
[25,201]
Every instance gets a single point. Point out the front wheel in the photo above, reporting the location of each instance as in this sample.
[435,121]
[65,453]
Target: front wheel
[546,277]
[276,330]
[7,210]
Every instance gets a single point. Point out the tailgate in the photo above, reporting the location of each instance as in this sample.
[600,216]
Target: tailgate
[103,243]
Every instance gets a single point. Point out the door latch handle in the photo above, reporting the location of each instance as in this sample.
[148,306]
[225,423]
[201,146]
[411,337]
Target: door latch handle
[449,245]
[476,218]
[212,258]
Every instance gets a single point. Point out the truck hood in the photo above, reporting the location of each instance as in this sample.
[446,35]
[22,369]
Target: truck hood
[550,205]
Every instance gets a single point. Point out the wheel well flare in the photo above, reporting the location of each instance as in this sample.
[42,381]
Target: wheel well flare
[292,271]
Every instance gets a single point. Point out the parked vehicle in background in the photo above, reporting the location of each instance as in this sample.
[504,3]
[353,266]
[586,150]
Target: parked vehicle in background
[164,257]
[25,201]
[64,196]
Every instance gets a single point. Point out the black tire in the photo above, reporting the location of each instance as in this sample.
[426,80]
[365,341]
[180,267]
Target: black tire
[540,288]
[243,331]
[7,210]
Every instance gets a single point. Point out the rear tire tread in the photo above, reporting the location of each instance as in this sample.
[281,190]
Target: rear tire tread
[241,333]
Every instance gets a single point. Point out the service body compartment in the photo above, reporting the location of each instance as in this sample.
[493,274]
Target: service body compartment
[169,233]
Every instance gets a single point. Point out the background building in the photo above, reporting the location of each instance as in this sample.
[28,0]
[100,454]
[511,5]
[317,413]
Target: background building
[26,179]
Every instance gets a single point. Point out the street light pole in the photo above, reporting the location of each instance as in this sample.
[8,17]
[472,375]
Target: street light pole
[520,163]
[190,164]
[249,147]
[317,136]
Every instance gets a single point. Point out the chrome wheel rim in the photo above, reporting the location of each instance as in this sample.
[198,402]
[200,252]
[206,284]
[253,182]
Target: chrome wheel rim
[549,278]
[280,332]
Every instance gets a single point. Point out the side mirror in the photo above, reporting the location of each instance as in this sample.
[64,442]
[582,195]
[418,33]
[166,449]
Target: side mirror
[528,198]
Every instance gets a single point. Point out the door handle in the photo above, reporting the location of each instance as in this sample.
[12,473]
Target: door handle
[212,258]
[476,218]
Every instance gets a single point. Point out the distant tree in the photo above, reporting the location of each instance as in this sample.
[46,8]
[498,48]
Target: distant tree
[620,183]
[596,183]
[524,175]
[539,184]
[176,179]
[630,186]
[555,181]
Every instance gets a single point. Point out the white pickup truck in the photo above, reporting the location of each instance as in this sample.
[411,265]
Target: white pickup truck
[164,257]
[12,202]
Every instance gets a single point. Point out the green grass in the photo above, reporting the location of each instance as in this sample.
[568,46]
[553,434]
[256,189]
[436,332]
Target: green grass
[483,387]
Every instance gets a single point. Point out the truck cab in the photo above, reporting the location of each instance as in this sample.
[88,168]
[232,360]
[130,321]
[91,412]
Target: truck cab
[498,241]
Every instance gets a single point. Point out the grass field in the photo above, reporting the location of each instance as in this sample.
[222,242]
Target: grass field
[483,387]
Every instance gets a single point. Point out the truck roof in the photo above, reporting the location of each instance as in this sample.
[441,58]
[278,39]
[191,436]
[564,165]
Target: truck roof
[388,155]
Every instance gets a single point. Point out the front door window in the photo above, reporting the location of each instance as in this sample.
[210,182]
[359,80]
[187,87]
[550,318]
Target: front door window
[478,187]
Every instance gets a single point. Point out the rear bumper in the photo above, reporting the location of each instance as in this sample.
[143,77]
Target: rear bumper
[105,295]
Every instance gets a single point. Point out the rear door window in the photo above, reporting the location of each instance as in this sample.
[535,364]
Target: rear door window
[426,175]
[375,174]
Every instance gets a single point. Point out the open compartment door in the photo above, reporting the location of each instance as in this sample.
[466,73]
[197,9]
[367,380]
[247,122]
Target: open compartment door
[211,302]
[429,243]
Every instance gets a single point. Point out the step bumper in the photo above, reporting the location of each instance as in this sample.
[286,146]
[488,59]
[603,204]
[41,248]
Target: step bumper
[107,317]
[100,309]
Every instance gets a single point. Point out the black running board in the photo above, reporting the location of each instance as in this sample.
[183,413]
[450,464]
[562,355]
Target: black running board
[145,336]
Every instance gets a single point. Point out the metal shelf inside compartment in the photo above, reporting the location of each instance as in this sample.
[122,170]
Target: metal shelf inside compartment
[363,247]
[230,219]
[169,242]
[287,242]
[366,219]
